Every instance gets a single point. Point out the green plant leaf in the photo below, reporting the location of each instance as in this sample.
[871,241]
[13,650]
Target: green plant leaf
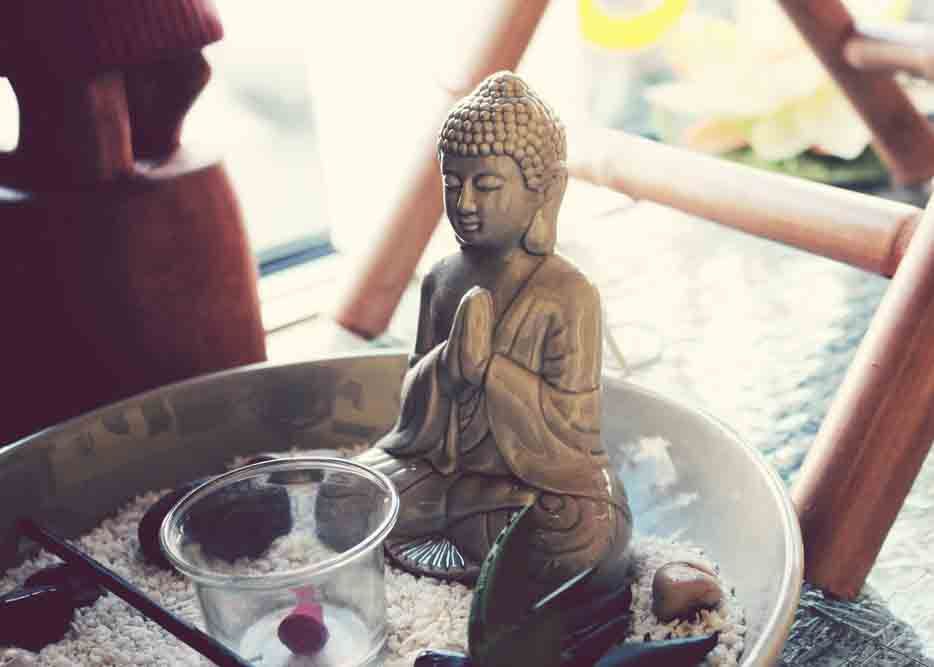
[502,595]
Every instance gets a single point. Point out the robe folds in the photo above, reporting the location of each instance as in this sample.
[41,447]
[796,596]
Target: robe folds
[536,416]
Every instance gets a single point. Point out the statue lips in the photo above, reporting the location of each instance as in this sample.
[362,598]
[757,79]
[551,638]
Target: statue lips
[469,225]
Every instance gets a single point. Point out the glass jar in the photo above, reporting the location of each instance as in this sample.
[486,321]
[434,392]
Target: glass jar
[286,559]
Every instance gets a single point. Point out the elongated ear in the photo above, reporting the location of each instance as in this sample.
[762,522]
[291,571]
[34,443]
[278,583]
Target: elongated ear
[542,234]
[539,238]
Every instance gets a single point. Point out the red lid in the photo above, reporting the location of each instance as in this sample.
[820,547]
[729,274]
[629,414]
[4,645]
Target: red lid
[82,36]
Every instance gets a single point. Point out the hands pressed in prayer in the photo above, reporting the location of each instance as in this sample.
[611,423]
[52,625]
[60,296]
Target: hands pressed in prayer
[469,348]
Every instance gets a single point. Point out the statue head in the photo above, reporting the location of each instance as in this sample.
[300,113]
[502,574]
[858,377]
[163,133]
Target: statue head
[503,152]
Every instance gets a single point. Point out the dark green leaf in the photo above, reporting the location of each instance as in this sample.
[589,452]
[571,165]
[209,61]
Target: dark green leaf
[683,652]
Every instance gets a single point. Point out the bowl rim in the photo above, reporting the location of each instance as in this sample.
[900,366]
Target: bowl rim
[763,652]
[768,647]
[170,535]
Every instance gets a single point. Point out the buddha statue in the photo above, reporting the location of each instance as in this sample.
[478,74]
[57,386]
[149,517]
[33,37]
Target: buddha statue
[501,402]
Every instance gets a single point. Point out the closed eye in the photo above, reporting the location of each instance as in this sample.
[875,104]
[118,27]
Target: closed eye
[489,182]
[452,182]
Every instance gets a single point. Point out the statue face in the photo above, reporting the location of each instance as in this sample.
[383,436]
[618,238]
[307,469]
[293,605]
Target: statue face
[486,200]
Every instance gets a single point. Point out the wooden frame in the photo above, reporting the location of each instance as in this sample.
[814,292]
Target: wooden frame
[878,432]
[369,305]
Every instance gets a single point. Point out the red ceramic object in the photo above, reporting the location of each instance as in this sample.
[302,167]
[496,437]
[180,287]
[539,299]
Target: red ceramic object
[125,264]
[110,292]
[303,631]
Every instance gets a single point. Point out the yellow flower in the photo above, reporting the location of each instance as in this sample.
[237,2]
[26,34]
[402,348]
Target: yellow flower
[755,82]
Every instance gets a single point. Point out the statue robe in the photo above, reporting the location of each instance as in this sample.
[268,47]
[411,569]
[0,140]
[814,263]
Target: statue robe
[536,416]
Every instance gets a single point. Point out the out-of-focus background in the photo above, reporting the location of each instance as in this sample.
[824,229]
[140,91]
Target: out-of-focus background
[316,106]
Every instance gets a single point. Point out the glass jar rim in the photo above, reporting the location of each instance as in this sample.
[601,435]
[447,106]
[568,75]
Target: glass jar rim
[169,535]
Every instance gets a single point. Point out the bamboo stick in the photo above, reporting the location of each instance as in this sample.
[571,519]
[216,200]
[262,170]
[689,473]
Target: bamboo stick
[864,231]
[889,48]
[903,137]
[369,305]
[877,434]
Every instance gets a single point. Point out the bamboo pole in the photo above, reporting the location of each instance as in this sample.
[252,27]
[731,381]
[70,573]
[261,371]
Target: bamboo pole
[868,232]
[877,434]
[374,296]
[890,48]
[903,137]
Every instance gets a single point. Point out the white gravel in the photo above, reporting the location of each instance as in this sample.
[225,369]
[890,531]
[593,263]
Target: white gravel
[422,612]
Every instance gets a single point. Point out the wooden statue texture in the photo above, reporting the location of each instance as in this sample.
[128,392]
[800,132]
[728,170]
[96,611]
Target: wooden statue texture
[501,404]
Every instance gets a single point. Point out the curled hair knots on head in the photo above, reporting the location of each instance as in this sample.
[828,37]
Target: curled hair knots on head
[503,116]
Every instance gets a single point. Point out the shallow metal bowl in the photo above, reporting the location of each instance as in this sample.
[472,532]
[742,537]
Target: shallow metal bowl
[707,486]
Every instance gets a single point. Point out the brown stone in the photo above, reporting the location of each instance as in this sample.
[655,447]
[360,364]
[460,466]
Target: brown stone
[680,589]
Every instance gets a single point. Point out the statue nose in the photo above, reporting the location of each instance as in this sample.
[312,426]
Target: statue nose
[466,203]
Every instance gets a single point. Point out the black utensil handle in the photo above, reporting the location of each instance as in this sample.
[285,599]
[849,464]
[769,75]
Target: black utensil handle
[203,643]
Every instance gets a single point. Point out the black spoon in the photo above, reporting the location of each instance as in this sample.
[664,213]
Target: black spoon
[32,618]
[82,589]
